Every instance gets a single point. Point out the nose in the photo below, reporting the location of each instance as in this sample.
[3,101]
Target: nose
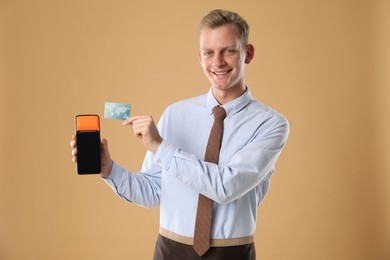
[218,60]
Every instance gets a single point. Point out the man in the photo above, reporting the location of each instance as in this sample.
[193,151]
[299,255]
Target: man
[184,169]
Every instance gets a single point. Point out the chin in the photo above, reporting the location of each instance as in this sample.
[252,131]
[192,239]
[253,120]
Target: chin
[221,85]
[222,88]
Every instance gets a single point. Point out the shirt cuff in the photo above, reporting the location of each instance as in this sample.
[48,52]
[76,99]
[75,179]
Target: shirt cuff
[164,154]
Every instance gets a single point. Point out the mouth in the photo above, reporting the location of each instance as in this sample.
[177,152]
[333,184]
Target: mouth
[221,73]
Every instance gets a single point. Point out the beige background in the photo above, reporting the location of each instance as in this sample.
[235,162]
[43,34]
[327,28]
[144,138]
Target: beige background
[323,64]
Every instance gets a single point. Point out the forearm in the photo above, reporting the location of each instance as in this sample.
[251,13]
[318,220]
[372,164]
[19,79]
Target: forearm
[142,189]
[222,183]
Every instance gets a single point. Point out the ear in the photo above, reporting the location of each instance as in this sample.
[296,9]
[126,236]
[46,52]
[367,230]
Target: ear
[250,53]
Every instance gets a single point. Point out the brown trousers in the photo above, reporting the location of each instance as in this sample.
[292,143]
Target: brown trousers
[167,249]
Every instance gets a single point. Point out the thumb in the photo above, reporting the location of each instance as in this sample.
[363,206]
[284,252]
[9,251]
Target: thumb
[105,158]
[104,143]
[104,149]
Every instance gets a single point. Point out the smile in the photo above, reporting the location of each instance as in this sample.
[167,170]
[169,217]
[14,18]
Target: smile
[220,73]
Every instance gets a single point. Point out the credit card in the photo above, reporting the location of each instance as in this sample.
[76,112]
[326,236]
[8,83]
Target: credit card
[116,111]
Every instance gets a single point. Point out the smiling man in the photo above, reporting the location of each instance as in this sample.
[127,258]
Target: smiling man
[223,54]
[210,159]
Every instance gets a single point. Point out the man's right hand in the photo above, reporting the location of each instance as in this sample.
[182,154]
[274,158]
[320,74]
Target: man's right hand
[104,155]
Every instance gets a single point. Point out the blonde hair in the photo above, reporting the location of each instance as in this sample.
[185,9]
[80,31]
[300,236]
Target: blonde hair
[218,17]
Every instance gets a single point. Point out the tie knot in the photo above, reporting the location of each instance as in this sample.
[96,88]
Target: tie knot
[219,112]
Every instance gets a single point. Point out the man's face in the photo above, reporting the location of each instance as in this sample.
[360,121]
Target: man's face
[223,58]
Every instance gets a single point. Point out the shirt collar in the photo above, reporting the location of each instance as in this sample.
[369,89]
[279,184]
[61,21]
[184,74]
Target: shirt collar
[233,106]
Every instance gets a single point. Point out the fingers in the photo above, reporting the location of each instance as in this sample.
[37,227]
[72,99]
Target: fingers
[141,124]
[128,121]
[74,155]
[73,144]
[144,128]
[73,141]
[136,119]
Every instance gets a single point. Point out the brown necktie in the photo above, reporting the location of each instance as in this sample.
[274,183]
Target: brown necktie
[205,205]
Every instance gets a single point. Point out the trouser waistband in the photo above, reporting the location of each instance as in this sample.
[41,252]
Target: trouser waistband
[214,242]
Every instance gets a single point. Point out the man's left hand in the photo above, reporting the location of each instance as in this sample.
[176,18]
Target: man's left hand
[145,129]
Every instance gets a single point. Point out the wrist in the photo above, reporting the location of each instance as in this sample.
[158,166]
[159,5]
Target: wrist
[155,146]
[106,169]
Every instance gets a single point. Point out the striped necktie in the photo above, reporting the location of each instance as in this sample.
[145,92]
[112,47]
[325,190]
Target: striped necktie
[205,205]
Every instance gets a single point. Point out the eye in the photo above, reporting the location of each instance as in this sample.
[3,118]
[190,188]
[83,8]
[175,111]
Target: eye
[230,51]
[207,53]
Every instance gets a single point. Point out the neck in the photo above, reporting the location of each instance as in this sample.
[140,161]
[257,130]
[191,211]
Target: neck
[225,96]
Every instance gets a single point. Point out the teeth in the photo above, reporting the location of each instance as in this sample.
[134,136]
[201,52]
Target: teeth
[220,73]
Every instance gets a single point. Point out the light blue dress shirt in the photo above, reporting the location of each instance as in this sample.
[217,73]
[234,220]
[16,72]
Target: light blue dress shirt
[253,138]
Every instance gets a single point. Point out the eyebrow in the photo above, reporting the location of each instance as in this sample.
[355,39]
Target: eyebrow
[224,48]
